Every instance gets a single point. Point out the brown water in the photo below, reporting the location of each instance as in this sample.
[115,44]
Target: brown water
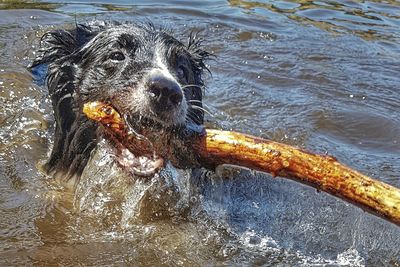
[323,75]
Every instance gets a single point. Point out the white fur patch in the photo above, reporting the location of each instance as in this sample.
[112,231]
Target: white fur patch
[161,65]
[140,96]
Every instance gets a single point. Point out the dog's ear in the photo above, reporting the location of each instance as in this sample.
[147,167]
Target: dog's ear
[199,56]
[57,44]
[198,59]
[54,45]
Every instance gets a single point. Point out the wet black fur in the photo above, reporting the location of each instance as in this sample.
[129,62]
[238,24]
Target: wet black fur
[80,70]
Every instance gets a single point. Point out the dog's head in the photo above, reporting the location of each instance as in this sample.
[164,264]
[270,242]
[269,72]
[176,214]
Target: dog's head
[139,69]
[144,72]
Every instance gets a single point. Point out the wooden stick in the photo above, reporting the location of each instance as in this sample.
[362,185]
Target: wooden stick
[188,148]
[324,173]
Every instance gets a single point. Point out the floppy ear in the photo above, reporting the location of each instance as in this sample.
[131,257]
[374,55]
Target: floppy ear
[199,56]
[55,48]
[57,44]
[54,45]
[54,66]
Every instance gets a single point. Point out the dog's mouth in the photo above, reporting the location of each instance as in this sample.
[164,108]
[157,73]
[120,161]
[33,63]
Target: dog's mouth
[137,141]
[143,165]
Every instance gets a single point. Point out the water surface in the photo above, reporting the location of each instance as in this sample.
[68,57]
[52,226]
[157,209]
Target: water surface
[321,75]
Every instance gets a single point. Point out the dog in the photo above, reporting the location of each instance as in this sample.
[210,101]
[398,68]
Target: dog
[142,71]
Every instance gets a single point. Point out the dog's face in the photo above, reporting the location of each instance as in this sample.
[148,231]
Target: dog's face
[150,77]
[143,73]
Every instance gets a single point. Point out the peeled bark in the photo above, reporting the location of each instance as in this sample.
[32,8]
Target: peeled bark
[188,148]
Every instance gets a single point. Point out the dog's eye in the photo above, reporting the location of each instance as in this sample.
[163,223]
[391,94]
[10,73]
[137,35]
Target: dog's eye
[181,71]
[117,56]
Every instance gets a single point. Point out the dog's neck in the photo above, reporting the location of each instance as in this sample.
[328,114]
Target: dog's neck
[75,136]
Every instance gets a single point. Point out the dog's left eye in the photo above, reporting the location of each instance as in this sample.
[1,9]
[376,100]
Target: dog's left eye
[181,71]
[117,56]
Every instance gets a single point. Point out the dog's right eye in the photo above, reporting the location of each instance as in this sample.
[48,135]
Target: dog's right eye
[117,56]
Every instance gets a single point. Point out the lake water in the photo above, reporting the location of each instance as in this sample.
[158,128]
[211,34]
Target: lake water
[321,75]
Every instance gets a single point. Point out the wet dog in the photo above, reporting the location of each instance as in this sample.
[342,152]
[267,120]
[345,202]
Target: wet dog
[143,71]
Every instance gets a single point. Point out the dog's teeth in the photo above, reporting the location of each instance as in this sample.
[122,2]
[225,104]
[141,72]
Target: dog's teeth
[141,166]
[143,160]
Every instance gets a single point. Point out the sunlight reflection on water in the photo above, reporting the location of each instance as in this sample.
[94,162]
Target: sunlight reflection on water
[322,75]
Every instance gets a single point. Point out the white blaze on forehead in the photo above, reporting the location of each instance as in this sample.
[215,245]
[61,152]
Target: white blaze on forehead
[161,65]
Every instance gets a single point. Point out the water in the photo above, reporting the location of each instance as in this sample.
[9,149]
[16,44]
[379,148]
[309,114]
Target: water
[322,75]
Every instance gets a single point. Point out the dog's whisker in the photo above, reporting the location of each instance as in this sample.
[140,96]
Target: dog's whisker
[202,109]
[192,118]
[192,112]
[198,101]
[132,129]
[193,85]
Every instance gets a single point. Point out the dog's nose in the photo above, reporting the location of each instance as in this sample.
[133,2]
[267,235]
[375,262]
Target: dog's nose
[164,91]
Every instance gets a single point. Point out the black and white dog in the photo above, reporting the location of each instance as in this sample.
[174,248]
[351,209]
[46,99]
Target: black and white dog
[144,72]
